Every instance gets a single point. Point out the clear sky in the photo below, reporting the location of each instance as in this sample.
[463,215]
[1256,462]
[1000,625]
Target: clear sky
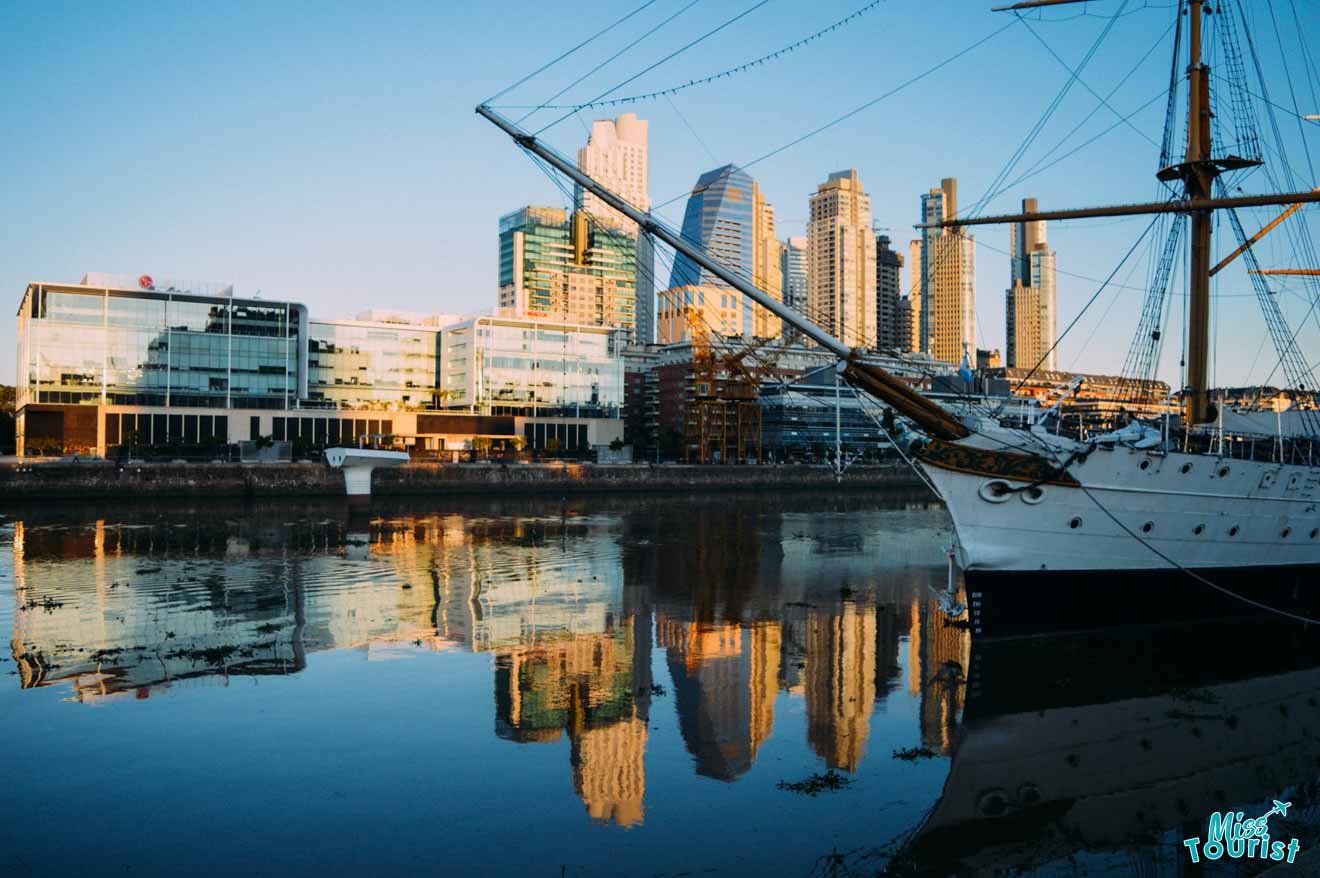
[328,152]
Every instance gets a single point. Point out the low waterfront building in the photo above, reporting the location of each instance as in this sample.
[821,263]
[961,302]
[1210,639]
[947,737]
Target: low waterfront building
[498,365]
[357,364]
[111,368]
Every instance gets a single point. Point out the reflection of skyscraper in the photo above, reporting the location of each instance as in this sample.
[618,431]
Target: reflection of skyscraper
[724,677]
[840,683]
[609,771]
[938,655]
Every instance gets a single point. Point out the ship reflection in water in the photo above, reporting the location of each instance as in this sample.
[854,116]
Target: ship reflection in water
[636,651]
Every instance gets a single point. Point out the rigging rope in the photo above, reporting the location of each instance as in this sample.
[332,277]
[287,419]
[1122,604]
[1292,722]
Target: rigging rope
[674,54]
[706,80]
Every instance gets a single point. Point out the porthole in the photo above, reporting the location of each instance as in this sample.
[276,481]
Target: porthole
[1233,531]
[1075,523]
[1033,495]
[1145,464]
[1199,529]
[1148,527]
[1223,471]
[995,492]
[1186,468]
[993,803]
[1287,532]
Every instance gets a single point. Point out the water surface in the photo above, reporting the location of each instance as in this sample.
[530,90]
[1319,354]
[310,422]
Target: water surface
[730,685]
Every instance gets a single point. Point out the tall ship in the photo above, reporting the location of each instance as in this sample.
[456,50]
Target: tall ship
[1159,517]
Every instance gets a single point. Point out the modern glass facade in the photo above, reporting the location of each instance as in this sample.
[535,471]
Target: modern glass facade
[79,345]
[507,366]
[576,270]
[720,217]
[358,365]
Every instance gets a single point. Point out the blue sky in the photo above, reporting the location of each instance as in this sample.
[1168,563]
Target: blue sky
[329,153]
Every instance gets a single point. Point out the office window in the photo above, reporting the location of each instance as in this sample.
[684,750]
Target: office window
[277,429]
[254,427]
[112,429]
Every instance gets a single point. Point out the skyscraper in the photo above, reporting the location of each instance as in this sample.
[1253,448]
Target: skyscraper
[914,294]
[570,269]
[1030,302]
[888,270]
[766,258]
[948,279]
[616,154]
[729,218]
[841,259]
[793,269]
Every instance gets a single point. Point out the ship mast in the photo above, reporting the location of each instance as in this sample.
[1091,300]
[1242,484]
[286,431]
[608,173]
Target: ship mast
[931,417]
[1198,172]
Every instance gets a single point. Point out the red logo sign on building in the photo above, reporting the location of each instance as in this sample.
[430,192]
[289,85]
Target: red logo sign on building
[146,282]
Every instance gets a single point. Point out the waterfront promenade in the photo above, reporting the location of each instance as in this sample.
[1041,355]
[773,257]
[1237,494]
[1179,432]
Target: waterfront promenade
[85,480]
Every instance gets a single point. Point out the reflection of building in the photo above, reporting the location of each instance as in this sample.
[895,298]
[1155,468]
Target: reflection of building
[725,684]
[938,656]
[609,771]
[841,683]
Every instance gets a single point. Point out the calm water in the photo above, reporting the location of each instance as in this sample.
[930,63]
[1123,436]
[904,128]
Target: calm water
[597,687]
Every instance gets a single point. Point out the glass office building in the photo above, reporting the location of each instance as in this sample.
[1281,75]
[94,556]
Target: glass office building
[364,365]
[82,345]
[571,269]
[720,218]
[500,365]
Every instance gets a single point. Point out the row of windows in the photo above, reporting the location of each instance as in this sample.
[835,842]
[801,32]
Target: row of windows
[329,431]
[134,429]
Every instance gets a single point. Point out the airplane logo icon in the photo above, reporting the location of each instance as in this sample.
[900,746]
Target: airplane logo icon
[1280,808]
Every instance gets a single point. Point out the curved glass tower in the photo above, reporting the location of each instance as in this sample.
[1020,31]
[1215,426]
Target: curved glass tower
[720,218]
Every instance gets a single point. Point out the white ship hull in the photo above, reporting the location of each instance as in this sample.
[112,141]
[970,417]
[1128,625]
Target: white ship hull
[1110,539]
[1138,510]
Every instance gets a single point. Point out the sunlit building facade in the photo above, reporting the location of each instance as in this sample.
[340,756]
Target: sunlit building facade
[499,365]
[841,260]
[617,155]
[1030,303]
[156,371]
[574,269]
[948,279]
[729,217]
[354,364]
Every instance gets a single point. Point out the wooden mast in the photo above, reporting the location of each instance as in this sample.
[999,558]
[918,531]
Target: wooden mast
[1198,175]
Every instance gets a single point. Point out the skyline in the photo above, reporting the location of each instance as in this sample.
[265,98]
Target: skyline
[368,181]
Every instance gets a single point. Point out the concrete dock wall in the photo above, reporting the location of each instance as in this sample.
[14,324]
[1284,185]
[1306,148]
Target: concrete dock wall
[99,480]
